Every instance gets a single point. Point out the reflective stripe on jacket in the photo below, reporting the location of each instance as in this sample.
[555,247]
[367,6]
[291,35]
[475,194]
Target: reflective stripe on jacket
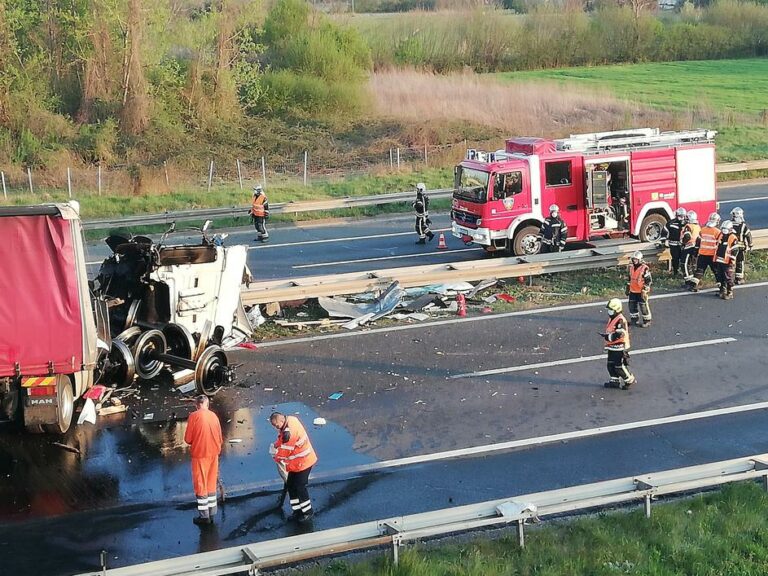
[296,452]
[639,277]
[690,234]
[257,206]
[725,249]
[618,326]
[708,241]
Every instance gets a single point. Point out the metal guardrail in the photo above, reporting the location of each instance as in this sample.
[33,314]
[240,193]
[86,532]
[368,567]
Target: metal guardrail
[475,270]
[318,205]
[397,531]
[242,211]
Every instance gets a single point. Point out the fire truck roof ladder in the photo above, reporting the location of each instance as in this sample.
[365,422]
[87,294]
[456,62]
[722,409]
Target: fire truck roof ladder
[628,139]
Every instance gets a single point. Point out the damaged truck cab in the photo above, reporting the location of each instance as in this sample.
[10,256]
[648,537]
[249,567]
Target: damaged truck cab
[48,334]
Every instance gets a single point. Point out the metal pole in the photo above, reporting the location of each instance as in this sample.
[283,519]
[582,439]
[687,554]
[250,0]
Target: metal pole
[69,181]
[210,176]
[5,192]
[263,172]
[398,159]
[239,174]
[29,177]
[305,167]
[99,180]
[647,505]
[521,533]
[391,163]
[425,154]
[165,168]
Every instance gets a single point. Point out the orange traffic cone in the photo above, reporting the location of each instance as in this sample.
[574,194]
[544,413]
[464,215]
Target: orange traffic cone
[441,245]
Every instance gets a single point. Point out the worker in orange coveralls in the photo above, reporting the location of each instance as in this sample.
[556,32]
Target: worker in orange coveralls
[204,437]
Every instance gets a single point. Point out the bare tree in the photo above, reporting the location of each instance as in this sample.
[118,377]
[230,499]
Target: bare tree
[135,112]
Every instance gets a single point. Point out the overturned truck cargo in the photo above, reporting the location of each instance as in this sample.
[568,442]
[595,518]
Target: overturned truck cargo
[151,308]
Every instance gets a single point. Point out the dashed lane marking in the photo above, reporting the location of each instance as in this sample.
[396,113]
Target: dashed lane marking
[419,255]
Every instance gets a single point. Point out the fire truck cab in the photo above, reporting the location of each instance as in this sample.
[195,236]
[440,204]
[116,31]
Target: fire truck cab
[606,184]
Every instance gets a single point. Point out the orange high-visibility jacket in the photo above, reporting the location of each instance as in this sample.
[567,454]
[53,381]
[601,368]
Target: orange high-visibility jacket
[257,206]
[637,277]
[708,240]
[724,252]
[293,446]
[203,434]
[617,325]
[690,234]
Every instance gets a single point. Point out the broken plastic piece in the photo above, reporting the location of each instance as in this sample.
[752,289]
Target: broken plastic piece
[336,395]
[319,421]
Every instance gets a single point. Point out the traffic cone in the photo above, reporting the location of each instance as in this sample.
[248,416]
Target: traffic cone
[441,245]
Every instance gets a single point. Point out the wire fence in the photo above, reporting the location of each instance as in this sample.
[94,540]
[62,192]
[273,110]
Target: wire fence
[222,173]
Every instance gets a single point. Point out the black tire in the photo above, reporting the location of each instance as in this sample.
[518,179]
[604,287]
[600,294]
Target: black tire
[526,242]
[65,410]
[651,228]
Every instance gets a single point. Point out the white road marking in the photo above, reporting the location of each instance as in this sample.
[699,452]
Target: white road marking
[755,199]
[524,367]
[485,317]
[419,255]
[347,239]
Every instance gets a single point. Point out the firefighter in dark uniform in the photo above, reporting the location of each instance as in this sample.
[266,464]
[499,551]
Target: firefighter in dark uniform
[705,248]
[671,236]
[421,206]
[688,239]
[553,231]
[616,337]
[638,289]
[725,259]
[744,238]
[259,213]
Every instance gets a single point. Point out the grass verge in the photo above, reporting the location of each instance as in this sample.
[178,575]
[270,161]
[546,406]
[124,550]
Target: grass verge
[712,534]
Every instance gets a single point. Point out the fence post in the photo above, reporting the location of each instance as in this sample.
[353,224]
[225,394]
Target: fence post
[5,192]
[29,177]
[426,162]
[391,163]
[239,174]
[99,179]
[69,181]
[210,177]
[305,167]
[263,172]
[165,169]
[398,159]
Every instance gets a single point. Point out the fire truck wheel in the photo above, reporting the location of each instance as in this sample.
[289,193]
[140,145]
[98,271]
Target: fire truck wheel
[526,242]
[652,226]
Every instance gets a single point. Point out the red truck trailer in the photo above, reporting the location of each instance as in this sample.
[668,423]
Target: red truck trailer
[620,183]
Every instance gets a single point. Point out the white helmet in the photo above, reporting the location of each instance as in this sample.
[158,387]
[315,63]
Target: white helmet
[614,305]
[737,215]
[257,190]
[421,187]
[681,213]
[637,255]
[554,209]
[713,220]
[693,218]
[726,227]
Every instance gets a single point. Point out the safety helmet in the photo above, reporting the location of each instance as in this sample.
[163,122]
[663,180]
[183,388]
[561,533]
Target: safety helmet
[681,213]
[693,218]
[257,190]
[614,305]
[726,227]
[421,187]
[554,209]
[737,215]
[637,255]
[714,219]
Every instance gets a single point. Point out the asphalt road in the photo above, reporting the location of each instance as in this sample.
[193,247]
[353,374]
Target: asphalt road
[403,395]
[388,241]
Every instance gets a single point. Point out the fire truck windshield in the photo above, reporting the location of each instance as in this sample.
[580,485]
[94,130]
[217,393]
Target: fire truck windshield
[472,184]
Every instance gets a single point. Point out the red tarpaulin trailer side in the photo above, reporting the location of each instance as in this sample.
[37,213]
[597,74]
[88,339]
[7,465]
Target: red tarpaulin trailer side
[40,313]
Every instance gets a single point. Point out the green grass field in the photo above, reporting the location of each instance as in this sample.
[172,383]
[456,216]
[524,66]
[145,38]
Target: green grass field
[733,94]
[722,533]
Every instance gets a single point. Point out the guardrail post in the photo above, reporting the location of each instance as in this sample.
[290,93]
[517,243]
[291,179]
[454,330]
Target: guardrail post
[396,543]
[29,177]
[103,561]
[521,532]
[239,174]
[647,505]
[69,181]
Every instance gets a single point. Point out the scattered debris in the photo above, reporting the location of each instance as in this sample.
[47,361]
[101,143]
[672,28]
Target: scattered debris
[248,345]
[319,421]
[482,285]
[88,413]
[108,410]
[336,395]
[379,308]
[149,416]
[188,387]
[506,297]
[235,440]
[272,309]
[68,448]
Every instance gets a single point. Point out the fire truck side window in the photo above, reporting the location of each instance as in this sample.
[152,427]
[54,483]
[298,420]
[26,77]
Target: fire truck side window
[507,185]
[558,173]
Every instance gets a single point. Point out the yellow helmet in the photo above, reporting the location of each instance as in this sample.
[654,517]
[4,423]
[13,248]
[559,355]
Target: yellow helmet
[614,305]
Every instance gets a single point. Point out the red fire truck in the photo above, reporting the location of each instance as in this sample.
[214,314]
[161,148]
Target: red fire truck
[622,183]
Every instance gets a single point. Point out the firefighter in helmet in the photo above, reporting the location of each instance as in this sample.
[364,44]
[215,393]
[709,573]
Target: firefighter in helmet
[421,207]
[671,236]
[259,213]
[744,238]
[706,246]
[726,252]
[616,338]
[688,240]
[553,232]
[638,289]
